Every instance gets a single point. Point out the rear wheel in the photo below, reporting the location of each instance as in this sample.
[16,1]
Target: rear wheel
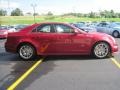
[27,52]
[101,50]
[115,34]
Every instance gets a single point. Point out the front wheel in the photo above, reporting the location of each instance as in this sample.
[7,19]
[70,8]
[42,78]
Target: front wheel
[101,50]
[27,52]
[115,34]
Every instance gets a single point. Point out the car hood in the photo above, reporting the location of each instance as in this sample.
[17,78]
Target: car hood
[117,27]
[99,35]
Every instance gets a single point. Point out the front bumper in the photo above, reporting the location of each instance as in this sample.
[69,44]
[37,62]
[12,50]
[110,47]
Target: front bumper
[115,48]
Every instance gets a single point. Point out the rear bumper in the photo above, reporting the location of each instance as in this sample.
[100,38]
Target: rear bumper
[9,48]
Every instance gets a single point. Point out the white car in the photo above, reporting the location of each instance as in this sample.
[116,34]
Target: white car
[18,27]
[86,28]
[112,28]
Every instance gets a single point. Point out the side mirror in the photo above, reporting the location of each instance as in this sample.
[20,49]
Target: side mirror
[86,31]
[76,31]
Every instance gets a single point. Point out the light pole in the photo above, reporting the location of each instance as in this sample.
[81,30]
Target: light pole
[9,12]
[9,7]
[34,5]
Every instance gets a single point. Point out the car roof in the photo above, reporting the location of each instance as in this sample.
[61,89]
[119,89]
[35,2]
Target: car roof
[55,23]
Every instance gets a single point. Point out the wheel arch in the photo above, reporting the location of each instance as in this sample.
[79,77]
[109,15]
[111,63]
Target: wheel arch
[116,31]
[23,43]
[99,42]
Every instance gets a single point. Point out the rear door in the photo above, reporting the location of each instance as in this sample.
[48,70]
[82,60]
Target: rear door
[44,36]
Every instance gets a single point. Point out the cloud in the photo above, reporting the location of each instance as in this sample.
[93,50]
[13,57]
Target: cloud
[62,6]
[5,5]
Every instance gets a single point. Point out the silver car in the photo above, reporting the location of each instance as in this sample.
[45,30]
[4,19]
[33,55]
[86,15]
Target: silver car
[84,27]
[112,28]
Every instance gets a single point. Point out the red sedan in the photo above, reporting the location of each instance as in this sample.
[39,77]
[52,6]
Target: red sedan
[59,39]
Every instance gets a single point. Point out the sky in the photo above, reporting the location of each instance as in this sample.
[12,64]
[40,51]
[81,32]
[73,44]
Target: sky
[61,6]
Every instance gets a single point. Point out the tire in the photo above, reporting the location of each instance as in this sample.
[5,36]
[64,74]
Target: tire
[115,34]
[101,50]
[27,52]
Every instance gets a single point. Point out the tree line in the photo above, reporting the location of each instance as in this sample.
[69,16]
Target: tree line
[100,14]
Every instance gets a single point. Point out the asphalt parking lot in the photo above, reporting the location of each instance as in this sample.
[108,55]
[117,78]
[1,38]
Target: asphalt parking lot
[60,72]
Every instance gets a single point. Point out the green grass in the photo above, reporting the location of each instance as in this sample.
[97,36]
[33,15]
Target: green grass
[8,20]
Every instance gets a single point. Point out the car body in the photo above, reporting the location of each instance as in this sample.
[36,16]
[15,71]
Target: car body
[53,38]
[112,28]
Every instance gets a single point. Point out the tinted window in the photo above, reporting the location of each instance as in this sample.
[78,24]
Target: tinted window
[63,29]
[99,25]
[44,28]
[103,25]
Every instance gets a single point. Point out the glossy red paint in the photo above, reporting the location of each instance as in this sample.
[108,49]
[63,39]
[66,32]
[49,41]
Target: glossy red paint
[77,42]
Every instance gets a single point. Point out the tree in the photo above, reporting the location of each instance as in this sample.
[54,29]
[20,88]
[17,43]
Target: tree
[117,15]
[36,14]
[92,15]
[29,13]
[112,13]
[108,14]
[3,12]
[16,12]
[50,13]
[79,15]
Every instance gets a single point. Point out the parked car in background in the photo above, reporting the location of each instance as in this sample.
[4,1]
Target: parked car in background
[78,25]
[84,27]
[10,28]
[88,29]
[20,26]
[59,39]
[112,28]
[3,32]
[94,24]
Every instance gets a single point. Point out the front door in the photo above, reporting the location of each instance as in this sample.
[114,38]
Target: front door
[67,41]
